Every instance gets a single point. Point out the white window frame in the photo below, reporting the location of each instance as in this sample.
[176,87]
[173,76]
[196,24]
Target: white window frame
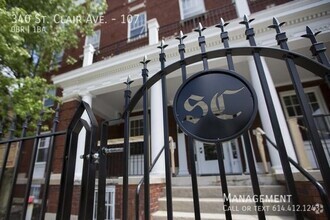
[201,10]
[94,39]
[45,146]
[319,97]
[108,190]
[133,21]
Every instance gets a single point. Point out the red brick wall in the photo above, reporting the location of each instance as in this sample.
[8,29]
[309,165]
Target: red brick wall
[53,196]
[156,191]
[308,197]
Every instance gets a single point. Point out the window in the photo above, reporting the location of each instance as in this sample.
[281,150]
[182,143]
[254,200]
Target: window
[293,110]
[190,8]
[49,102]
[43,150]
[94,39]
[137,26]
[109,203]
[292,106]
[136,126]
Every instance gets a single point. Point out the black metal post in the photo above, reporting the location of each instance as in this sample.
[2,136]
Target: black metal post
[303,101]
[162,59]
[7,150]
[126,150]
[223,179]
[69,163]
[272,114]
[201,42]
[91,157]
[48,168]
[15,172]
[193,174]
[31,167]
[225,40]
[254,176]
[182,50]
[253,173]
[146,142]
[191,145]
[102,173]
[318,49]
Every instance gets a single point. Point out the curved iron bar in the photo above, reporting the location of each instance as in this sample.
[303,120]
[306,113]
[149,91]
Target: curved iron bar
[300,60]
[319,187]
[138,188]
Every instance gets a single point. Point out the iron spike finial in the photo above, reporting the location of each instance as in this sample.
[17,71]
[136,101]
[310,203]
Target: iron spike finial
[246,21]
[145,61]
[162,46]
[200,29]
[181,37]
[311,35]
[128,82]
[276,25]
[222,25]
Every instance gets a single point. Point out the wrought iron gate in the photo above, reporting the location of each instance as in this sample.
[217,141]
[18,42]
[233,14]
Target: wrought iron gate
[95,157]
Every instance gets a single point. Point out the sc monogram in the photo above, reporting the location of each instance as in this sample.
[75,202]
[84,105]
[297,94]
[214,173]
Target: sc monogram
[217,106]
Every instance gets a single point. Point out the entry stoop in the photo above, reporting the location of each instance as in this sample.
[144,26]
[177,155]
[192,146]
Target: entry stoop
[211,199]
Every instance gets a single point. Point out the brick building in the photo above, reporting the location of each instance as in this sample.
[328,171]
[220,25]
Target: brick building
[133,29]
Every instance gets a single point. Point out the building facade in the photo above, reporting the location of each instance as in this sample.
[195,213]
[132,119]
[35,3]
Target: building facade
[133,29]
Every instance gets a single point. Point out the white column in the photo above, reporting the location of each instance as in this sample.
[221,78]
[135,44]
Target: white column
[264,115]
[87,97]
[88,55]
[242,8]
[157,128]
[183,167]
[153,28]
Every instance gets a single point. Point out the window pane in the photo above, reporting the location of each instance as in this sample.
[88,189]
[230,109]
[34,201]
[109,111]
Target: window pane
[42,155]
[287,100]
[291,111]
[315,107]
[192,7]
[311,97]
[210,152]
[294,99]
[298,110]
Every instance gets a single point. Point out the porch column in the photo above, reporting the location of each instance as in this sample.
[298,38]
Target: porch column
[299,143]
[265,120]
[157,128]
[86,97]
[88,55]
[242,8]
[153,28]
[183,167]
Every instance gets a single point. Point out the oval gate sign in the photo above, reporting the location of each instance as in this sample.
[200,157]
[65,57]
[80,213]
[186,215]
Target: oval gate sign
[215,106]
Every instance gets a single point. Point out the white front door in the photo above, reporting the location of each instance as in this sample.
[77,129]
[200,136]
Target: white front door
[207,162]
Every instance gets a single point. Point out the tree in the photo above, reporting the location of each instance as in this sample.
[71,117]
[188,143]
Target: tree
[32,34]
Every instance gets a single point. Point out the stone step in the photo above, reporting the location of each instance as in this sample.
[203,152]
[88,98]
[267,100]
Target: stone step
[216,191]
[238,206]
[162,215]
[232,180]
